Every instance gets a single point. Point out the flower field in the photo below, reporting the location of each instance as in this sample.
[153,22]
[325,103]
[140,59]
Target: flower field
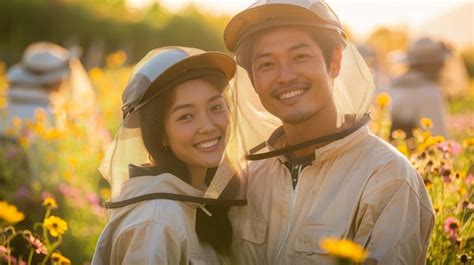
[51,192]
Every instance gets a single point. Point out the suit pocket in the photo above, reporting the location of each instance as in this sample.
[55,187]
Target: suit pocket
[309,238]
[250,229]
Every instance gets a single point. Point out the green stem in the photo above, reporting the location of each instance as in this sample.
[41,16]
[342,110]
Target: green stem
[53,248]
[30,257]
[8,256]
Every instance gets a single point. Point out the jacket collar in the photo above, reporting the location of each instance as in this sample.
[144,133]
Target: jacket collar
[278,140]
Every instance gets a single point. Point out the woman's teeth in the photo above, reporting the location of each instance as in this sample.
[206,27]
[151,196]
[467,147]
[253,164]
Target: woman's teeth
[291,94]
[208,144]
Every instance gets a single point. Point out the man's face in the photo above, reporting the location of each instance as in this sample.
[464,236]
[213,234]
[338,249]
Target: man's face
[290,74]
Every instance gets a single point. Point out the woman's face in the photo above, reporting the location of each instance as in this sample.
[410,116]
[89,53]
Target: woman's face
[196,124]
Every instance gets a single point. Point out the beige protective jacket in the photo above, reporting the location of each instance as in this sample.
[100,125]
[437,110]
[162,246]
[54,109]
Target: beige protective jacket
[155,231]
[358,188]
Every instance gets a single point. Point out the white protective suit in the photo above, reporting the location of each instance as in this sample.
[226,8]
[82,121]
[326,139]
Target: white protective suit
[154,231]
[358,188]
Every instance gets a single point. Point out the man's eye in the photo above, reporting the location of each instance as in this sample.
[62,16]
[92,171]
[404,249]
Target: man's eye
[265,65]
[301,57]
[185,117]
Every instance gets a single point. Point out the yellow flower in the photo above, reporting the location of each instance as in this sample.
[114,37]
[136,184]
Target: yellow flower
[73,162]
[116,59]
[403,149]
[55,225]
[50,203]
[24,142]
[40,115]
[59,259]
[3,102]
[399,135]
[468,142]
[382,100]
[9,213]
[95,73]
[344,249]
[105,193]
[16,122]
[426,123]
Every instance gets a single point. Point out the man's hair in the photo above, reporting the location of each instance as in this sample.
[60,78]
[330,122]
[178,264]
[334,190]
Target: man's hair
[326,39]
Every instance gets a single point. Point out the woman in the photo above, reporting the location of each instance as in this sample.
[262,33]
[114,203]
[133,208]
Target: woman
[172,183]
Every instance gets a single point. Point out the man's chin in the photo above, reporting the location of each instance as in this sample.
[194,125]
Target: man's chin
[297,118]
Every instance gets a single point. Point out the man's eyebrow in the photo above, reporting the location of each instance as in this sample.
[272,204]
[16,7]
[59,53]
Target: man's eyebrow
[292,48]
[298,46]
[261,55]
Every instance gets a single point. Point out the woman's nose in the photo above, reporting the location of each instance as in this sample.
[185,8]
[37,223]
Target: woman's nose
[207,124]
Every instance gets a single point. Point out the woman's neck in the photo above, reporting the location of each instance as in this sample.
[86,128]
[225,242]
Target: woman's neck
[198,177]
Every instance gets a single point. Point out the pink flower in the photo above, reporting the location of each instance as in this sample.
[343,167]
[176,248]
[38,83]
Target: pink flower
[451,147]
[92,198]
[46,194]
[39,246]
[451,226]
[22,193]
[4,251]
[469,180]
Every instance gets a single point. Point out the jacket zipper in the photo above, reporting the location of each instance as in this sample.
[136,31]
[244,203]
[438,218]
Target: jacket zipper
[294,193]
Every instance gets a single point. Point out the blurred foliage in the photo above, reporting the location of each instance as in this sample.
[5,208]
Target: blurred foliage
[104,23]
[387,40]
[468,58]
[465,104]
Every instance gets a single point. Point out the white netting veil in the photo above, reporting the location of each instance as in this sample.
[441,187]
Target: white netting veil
[158,72]
[352,89]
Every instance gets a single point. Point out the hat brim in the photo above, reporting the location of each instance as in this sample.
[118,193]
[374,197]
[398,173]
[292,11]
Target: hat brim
[266,16]
[18,75]
[216,60]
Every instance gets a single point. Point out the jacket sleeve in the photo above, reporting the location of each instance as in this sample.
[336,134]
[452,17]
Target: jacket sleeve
[394,223]
[151,243]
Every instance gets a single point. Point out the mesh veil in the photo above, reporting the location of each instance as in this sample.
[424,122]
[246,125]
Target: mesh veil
[352,90]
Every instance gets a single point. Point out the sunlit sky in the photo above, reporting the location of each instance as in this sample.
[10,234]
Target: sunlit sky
[362,16]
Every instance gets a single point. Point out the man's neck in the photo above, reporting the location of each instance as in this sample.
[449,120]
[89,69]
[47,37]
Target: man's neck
[321,124]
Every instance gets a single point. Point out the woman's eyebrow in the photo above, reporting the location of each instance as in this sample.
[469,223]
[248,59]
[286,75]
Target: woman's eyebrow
[183,106]
[215,97]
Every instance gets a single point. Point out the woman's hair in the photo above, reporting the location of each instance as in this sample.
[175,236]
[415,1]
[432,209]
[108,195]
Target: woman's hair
[216,229]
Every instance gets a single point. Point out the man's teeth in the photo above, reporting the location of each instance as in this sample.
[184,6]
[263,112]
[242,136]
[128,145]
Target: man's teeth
[291,94]
[208,143]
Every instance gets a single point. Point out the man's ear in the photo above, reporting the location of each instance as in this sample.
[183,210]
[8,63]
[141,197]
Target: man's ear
[335,65]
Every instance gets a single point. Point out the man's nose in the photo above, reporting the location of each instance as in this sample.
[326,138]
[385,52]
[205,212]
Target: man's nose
[286,73]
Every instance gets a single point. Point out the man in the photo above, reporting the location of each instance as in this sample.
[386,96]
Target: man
[416,94]
[324,174]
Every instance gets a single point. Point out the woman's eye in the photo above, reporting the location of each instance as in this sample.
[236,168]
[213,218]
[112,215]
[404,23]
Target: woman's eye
[185,117]
[217,107]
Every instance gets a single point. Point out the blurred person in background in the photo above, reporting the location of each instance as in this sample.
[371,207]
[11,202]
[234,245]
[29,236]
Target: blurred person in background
[416,94]
[48,78]
[371,58]
[169,171]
